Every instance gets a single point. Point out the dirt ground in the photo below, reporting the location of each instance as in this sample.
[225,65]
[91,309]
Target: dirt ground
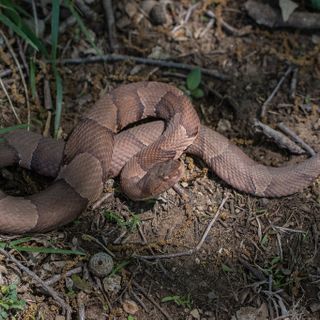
[260,259]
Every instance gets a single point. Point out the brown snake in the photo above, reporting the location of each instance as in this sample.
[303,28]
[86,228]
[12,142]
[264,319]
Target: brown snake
[147,156]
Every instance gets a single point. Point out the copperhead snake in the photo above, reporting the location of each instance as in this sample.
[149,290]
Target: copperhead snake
[147,156]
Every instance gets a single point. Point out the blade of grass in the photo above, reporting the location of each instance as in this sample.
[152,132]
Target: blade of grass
[18,31]
[8,4]
[47,250]
[12,245]
[10,16]
[119,267]
[18,126]
[19,241]
[54,47]
[55,29]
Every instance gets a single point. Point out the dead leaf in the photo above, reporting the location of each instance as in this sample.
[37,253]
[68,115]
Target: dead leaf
[287,7]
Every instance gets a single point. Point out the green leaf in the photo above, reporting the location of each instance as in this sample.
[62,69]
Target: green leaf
[287,7]
[197,93]
[225,268]
[119,267]
[264,240]
[9,301]
[194,79]
[275,260]
[179,300]
[80,283]
[112,216]
[170,298]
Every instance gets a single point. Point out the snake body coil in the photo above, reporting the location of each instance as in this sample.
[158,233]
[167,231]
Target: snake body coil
[147,156]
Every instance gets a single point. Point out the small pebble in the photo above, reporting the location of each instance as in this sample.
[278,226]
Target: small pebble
[129,306]
[158,15]
[112,284]
[101,264]
[130,9]
[195,314]
[315,307]
[224,125]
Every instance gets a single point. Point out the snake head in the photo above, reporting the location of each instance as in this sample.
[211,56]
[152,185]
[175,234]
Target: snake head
[161,177]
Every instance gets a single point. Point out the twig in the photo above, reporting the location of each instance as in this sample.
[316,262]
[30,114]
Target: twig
[21,75]
[5,73]
[279,138]
[190,11]
[23,57]
[36,278]
[147,295]
[88,237]
[81,311]
[44,9]
[47,95]
[10,101]
[148,61]
[139,301]
[150,249]
[276,89]
[104,293]
[255,272]
[280,246]
[86,10]
[46,130]
[187,17]
[296,138]
[266,15]
[284,229]
[207,28]
[315,241]
[195,249]
[227,26]
[181,192]
[102,199]
[57,277]
[107,5]
[293,84]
